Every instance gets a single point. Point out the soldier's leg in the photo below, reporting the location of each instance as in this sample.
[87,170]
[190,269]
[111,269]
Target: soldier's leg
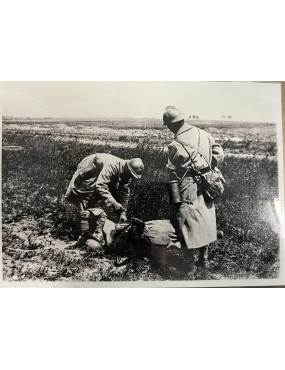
[81,207]
[189,266]
[203,256]
[97,222]
[82,221]
[177,221]
[174,219]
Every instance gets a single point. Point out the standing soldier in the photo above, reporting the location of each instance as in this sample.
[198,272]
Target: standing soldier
[194,219]
[106,178]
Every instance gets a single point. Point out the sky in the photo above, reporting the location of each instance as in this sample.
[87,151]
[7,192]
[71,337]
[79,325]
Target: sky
[244,101]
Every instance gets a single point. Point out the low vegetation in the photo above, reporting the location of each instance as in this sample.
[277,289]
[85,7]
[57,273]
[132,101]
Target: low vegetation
[38,232]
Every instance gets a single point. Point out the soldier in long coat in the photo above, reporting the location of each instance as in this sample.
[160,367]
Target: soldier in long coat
[103,178]
[194,220]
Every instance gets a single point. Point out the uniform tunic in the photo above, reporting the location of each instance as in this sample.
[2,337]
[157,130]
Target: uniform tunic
[194,220]
[100,177]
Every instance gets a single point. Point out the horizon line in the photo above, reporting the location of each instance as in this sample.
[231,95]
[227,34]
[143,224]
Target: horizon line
[5,116]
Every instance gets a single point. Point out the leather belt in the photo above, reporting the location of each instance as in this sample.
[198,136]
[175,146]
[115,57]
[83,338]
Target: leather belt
[193,173]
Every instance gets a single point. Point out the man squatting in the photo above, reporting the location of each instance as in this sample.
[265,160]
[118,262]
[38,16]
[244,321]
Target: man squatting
[102,178]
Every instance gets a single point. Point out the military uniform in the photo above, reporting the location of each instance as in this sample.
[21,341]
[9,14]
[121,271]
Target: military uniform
[101,180]
[100,177]
[195,219]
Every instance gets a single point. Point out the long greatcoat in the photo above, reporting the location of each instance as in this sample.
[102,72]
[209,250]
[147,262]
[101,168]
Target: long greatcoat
[195,219]
[100,176]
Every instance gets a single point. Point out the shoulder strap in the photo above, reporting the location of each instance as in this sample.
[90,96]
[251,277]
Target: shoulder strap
[190,157]
[190,128]
[193,147]
[197,149]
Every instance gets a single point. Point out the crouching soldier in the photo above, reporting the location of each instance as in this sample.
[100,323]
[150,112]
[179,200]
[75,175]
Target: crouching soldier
[102,181]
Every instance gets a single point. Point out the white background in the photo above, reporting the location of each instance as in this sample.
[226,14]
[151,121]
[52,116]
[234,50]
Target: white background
[142,328]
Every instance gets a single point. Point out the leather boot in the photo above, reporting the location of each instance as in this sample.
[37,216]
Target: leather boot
[203,257]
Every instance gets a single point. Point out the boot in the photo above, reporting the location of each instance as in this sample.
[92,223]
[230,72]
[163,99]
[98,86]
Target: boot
[203,257]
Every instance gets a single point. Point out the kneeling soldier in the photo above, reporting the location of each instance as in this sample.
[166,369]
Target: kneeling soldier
[102,178]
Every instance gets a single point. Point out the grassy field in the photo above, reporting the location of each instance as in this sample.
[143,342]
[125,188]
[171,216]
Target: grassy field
[38,232]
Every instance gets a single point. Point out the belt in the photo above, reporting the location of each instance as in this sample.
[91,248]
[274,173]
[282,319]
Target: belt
[193,173]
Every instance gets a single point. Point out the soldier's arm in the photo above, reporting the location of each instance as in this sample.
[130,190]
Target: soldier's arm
[175,156]
[178,161]
[124,194]
[217,152]
[102,185]
[217,155]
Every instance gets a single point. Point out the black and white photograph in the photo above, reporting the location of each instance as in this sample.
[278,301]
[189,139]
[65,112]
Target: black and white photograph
[142,184]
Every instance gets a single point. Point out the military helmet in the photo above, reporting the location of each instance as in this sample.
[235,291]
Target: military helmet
[172,115]
[136,167]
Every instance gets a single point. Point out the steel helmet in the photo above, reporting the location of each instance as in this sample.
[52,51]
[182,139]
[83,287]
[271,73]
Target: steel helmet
[136,167]
[172,115]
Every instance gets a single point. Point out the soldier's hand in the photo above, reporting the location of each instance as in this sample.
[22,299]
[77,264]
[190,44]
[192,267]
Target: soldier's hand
[85,214]
[123,217]
[117,207]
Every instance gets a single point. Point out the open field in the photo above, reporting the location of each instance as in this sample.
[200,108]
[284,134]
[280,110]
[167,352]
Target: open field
[38,232]
[241,138]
